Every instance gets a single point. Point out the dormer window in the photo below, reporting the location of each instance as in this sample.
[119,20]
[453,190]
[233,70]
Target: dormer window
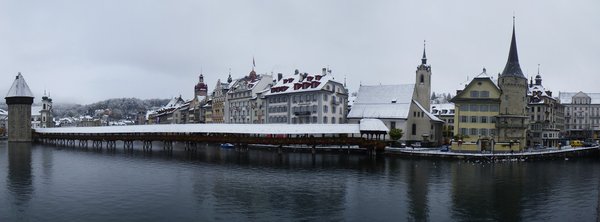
[394,101]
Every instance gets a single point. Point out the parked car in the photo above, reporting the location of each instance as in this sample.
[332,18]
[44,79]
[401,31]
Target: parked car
[576,143]
[416,144]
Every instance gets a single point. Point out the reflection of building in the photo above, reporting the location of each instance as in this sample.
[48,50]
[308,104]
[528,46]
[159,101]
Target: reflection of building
[477,106]
[19,100]
[20,183]
[405,107]
[303,99]
[545,113]
[581,114]
[445,112]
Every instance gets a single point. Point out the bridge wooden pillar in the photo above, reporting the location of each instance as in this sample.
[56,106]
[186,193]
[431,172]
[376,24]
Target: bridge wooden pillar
[168,146]
[147,145]
[83,144]
[128,145]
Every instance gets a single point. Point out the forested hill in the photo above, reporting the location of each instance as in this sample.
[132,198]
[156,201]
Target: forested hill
[118,108]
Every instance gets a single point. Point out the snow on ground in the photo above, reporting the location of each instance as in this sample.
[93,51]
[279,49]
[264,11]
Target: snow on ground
[437,151]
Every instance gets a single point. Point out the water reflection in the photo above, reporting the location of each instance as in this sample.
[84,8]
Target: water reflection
[19,178]
[484,192]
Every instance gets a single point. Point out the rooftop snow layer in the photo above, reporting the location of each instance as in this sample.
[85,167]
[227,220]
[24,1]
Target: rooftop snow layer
[215,128]
[383,101]
[372,125]
[19,88]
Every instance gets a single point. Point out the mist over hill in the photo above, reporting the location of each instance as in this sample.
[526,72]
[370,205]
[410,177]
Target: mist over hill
[117,108]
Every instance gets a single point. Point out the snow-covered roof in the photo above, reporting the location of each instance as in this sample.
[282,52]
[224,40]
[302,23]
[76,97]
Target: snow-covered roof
[19,88]
[567,97]
[3,112]
[383,101]
[372,125]
[431,116]
[219,128]
[442,109]
[296,83]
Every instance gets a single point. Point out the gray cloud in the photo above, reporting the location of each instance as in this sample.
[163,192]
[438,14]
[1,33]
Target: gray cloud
[84,51]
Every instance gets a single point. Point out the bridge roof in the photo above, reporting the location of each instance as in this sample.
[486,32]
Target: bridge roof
[220,128]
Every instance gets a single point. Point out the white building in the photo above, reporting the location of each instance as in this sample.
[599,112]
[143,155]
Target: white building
[307,99]
[238,103]
[404,106]
[581,114]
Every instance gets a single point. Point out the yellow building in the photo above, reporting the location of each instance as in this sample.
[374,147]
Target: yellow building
[476,108]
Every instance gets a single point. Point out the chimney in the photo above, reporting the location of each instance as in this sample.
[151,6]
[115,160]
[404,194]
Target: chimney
[296,72]
[324,71]
[279,76]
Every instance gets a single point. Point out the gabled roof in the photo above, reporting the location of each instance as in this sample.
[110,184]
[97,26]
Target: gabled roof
[431,116]
[481,77]
[383,101]
[19,88]
[295,83]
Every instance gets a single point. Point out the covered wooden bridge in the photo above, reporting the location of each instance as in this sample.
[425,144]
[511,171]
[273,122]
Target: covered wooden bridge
[369,134]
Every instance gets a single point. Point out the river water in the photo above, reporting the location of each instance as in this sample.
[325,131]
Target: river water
[47,183]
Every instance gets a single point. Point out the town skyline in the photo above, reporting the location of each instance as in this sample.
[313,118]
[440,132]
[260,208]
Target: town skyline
[81,55]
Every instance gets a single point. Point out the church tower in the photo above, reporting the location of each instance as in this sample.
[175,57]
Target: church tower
[201,89]
[46,112]
[512,121]
[423,82]
[19,100]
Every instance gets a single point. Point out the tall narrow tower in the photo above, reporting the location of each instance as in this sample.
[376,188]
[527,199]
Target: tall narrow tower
[19,100]
[512,121]
[201,89]
[423,82]
[46,112]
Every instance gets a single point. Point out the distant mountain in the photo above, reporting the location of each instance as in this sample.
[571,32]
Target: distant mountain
[118,108]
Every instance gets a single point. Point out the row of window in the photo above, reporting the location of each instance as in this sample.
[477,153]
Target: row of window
[477,132]
[480,107]
[480,94]
[477,119]
[278,109]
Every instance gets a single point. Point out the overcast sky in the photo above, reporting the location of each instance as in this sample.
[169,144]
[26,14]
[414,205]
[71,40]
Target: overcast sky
[86,51]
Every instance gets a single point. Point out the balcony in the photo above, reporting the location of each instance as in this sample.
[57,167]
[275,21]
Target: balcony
[302,113]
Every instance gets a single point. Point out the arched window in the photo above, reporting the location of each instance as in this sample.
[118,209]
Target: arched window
[422,78]
[414,129]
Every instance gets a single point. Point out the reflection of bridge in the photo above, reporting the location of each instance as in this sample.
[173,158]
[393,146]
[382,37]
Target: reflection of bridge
[368,135]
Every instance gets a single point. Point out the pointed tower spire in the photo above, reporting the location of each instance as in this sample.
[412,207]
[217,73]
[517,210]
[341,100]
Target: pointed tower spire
[512,65]
[424,59]
[229,80]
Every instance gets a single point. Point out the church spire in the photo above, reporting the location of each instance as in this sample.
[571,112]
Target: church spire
[512,67]
[424,59]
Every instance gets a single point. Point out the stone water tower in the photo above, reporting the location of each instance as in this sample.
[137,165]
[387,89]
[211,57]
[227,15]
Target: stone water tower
[19,100]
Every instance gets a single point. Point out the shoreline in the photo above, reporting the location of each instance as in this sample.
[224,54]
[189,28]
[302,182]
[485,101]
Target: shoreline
[551,153]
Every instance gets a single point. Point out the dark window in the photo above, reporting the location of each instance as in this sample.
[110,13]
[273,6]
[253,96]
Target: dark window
[414,129]
[393,124]
[421,79]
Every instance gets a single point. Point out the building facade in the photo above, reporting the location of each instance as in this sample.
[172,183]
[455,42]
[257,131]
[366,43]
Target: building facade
[241,92]
[545,114]
[445,112]
[581,115]
[219,99]
[307,99]
[476,109]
